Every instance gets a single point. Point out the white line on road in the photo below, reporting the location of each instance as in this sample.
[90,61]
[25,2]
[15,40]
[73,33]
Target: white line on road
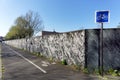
[28,61]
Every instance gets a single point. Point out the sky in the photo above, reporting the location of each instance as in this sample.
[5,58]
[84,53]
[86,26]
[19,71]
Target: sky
[60,15]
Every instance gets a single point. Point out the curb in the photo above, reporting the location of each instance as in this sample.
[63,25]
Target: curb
[0,65]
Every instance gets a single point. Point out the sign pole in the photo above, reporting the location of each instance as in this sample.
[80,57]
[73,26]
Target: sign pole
[101,17]
[101,48]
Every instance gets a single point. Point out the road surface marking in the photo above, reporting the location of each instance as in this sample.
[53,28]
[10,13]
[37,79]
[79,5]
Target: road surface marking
[28,60]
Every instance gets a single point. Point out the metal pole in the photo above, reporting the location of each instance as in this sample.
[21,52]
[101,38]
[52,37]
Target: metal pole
[101,49]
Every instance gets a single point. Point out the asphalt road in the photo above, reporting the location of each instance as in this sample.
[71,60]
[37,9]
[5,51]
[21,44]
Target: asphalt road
[21,65]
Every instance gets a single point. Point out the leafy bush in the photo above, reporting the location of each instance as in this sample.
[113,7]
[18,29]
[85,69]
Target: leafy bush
[85,70]
[114,72]
[64,62]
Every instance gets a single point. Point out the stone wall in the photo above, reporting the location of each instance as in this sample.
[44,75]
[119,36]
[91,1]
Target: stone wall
[77,47]
[69,46]
[111,48]
[92,48]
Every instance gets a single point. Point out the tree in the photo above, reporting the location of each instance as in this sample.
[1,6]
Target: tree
[26,26]
[31,22]
[12,34]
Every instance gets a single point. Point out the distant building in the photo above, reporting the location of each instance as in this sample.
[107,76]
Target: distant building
[48,33]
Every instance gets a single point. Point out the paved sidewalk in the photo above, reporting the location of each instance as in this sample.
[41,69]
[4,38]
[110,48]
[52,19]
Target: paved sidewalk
[16,68]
